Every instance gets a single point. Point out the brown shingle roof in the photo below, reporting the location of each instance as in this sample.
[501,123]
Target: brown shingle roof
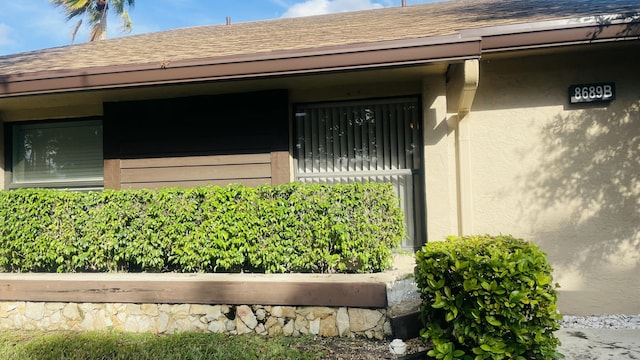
[418,21]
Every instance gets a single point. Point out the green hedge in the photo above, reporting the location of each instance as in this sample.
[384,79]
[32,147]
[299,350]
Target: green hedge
[487,297]
[289,228]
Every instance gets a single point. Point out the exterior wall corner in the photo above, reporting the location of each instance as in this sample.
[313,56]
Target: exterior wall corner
[439,154]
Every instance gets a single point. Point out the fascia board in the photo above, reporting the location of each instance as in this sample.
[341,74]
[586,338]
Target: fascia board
[311,61]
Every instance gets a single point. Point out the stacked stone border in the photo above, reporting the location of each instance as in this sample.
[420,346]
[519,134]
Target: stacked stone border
[173,318]
[379,305]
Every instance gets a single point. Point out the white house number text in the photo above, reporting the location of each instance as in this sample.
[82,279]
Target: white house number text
[591,93]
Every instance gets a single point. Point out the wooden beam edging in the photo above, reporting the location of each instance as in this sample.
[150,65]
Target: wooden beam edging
[230,289]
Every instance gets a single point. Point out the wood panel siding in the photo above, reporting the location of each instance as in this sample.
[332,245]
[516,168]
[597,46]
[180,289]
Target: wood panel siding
[195,161]
[280,167]
[187,173]
[218,140]
[196,289]
[194,183]
[250,170]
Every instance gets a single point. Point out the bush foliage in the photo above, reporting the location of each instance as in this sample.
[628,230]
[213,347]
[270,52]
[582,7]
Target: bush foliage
[287,228]
[487,297]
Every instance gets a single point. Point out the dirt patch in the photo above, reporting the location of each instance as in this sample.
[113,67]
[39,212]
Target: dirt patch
[363,349]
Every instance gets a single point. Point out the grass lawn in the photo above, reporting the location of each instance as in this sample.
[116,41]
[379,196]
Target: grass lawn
[112,345]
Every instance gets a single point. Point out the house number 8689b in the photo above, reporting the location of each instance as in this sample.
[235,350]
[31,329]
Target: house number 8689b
[586,93]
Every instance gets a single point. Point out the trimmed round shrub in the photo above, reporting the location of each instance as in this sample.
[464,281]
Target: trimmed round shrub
[487,297]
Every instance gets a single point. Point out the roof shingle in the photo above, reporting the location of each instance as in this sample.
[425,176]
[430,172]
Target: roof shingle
[398,23]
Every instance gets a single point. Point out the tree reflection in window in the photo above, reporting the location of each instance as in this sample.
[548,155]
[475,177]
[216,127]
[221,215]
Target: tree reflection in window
[57,152]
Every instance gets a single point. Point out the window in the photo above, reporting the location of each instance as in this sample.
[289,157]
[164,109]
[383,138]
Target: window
[57,154]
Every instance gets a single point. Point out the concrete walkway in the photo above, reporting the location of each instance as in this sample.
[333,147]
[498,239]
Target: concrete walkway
[598,344]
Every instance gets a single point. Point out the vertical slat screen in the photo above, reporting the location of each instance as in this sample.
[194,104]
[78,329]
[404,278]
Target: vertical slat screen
[367,141]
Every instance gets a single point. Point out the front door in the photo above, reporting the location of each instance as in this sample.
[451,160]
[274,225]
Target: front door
[369,140]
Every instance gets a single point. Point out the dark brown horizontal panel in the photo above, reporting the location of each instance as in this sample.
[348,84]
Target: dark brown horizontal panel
[187,184]
[264,158]
[190,173]
[270,292]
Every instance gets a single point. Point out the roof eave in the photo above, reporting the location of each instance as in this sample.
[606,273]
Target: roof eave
[307,61]
[549,34]
[467,44]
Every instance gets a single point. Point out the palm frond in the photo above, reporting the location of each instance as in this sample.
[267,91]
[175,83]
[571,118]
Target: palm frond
[98,21]
[118,6]
[95,33]
[72,4]
[70,14]
[73,8]
[74,32]
[78,4]
[96,14]
[127,25]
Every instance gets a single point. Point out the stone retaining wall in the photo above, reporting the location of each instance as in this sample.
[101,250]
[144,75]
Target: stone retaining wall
[172,318]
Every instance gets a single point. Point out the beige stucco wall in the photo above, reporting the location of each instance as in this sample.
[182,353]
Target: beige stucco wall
[566,177]
[440,161]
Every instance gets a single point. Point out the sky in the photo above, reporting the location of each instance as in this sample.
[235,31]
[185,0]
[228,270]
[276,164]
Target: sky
[27,25]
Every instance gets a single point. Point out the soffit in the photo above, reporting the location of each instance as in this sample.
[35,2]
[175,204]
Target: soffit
[296,84]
